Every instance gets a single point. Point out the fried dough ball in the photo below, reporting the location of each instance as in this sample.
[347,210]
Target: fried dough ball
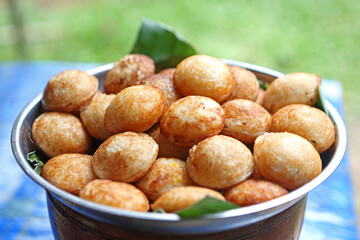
[68,91]
[56,133]
[205,76]
[167,148]
[192,119]
[246,84]
[286,159]
[125,157]
[166,86]
[245,120]
[168,71]
[126,71]
[135,109]
[292,88]
[180,198]
[115,194]
[308,122]
[219,162]
[260,96]
[253,191]
[165,174]
[69,171]
[92,116]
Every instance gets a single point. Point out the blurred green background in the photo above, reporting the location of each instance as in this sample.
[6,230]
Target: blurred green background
[320,36]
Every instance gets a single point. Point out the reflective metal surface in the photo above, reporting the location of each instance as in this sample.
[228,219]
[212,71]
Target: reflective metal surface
[171,223]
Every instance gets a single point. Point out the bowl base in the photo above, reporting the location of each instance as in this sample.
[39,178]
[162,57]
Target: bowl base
[69,224]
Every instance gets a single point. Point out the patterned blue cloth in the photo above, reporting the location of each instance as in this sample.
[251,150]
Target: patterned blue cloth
[329,213]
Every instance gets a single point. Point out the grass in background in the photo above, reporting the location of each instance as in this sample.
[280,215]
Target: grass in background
[320,36]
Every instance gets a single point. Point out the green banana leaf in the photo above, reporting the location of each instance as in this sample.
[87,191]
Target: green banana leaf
[33,158]
[206,206]
[320,103]
[158,41]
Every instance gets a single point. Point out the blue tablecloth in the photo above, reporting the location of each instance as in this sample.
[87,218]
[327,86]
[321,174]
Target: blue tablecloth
[329,213]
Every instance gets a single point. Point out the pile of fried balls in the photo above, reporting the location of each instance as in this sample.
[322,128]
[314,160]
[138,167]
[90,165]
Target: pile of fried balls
[168,139]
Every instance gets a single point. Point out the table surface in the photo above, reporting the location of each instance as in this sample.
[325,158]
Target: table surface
[330,212]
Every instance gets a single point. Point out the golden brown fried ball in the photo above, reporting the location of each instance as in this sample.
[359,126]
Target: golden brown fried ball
[92,116]
[135,109]
[168,71]
[56,133]
[180,198]
[292,88]
[166,86]
[69,172]
[115,194]
[308,122]
[260,97]
[125,157]
[192,119]
[205,76]
[286,159]
[246,84]
[219,162]
[126,71]
[253,191]
[68,91]
[245,120]
[167,148]
[165,174]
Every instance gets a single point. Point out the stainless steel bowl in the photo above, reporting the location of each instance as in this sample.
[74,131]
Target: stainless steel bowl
[171,223]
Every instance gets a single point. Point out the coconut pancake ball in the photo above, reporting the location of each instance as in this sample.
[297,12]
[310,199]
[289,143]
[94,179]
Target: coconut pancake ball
[125,157]
[286,159]
[56,133]
[69,171]
[115,194]
[126,71]
[68,91]
[205,76]
[192,119]
[219,162]
[135,109]
[180,198]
